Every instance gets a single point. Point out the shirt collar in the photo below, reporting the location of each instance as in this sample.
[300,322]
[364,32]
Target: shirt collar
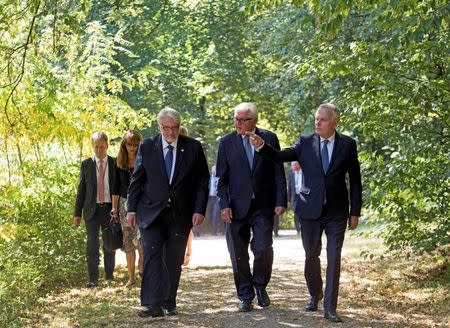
[96,159]
[330,139]
[165,143]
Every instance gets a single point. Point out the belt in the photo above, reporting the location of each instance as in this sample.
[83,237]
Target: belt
[103,204]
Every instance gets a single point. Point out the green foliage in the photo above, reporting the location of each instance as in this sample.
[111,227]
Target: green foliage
[386,67]
[74,67]
[39,248]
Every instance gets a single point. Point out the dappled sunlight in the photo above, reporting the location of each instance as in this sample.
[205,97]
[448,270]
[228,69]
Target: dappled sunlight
[372,294]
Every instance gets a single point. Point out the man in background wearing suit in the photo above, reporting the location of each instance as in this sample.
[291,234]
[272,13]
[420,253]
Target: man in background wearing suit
[213,209]
[94,201]
[251,189]
[167,195]
[326,157]
[294,184]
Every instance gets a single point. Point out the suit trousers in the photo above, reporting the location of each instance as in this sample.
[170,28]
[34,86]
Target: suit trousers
[100,219]
[164,244]
[311,237]
[238,234]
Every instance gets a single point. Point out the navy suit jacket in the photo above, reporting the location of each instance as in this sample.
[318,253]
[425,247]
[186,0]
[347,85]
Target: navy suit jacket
[87,187]
[344,159]
[149,190]
[237,182]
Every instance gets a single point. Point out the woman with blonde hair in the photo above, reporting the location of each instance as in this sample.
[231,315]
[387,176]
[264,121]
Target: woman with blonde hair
[124,168]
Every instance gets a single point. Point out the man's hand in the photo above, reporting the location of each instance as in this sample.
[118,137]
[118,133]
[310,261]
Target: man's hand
[226,214]
[131,219]
[255,139]
[197,219]
[279,210]
[353,222]
[76,221]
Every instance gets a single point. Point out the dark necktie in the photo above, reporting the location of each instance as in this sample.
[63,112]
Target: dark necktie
[168,160]
[248,151]
[325,159]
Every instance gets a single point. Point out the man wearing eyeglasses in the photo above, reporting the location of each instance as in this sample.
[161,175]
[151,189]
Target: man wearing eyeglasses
[251,189]
[167,195]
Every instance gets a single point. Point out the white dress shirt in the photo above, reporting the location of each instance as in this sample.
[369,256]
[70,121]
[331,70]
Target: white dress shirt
[105,178]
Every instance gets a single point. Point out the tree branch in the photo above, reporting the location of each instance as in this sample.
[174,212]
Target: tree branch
[22,70]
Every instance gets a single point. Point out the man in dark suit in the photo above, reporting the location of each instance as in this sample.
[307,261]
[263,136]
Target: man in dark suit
[251,188]
[167,195]
[94,202]
[326,157]
[294,184]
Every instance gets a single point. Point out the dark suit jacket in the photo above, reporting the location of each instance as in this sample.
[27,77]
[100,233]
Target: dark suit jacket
[87,187]
[343,160]
[149,190]
[237,182]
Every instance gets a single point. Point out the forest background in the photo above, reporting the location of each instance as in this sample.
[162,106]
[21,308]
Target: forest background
[68,68]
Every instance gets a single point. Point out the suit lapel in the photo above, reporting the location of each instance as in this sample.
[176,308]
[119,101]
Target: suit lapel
[159,155]
[110,171]
[239,145]
[179,158]
[337,144]
[256,156]
[316,149]
[93,176]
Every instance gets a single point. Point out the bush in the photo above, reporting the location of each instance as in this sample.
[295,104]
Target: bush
[39,249]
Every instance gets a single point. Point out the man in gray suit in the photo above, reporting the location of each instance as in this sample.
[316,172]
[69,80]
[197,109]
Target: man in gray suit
[94,201]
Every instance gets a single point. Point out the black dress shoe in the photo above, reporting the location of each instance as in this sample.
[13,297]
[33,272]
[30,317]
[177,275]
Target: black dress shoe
[92,284]
[311,305]
[171,311]
[332,316]
[153,312]
[263,298]
[245,306]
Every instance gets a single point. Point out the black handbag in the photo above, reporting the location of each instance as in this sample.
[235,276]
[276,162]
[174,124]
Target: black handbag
[113,235]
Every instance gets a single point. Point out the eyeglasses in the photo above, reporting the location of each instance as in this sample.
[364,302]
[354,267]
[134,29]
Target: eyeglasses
[242,120]
[170,128]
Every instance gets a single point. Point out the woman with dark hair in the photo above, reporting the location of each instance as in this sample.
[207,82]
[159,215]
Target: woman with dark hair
[123,170]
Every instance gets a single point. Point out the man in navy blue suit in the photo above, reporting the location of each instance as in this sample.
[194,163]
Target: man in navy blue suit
[251,189]
[326,158]
[167,195]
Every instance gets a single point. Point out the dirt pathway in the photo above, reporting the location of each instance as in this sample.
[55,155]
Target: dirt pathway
[207,297]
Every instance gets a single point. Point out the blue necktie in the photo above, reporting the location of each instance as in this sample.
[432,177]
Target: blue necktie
[325,159]
[168,160]
[248,151]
